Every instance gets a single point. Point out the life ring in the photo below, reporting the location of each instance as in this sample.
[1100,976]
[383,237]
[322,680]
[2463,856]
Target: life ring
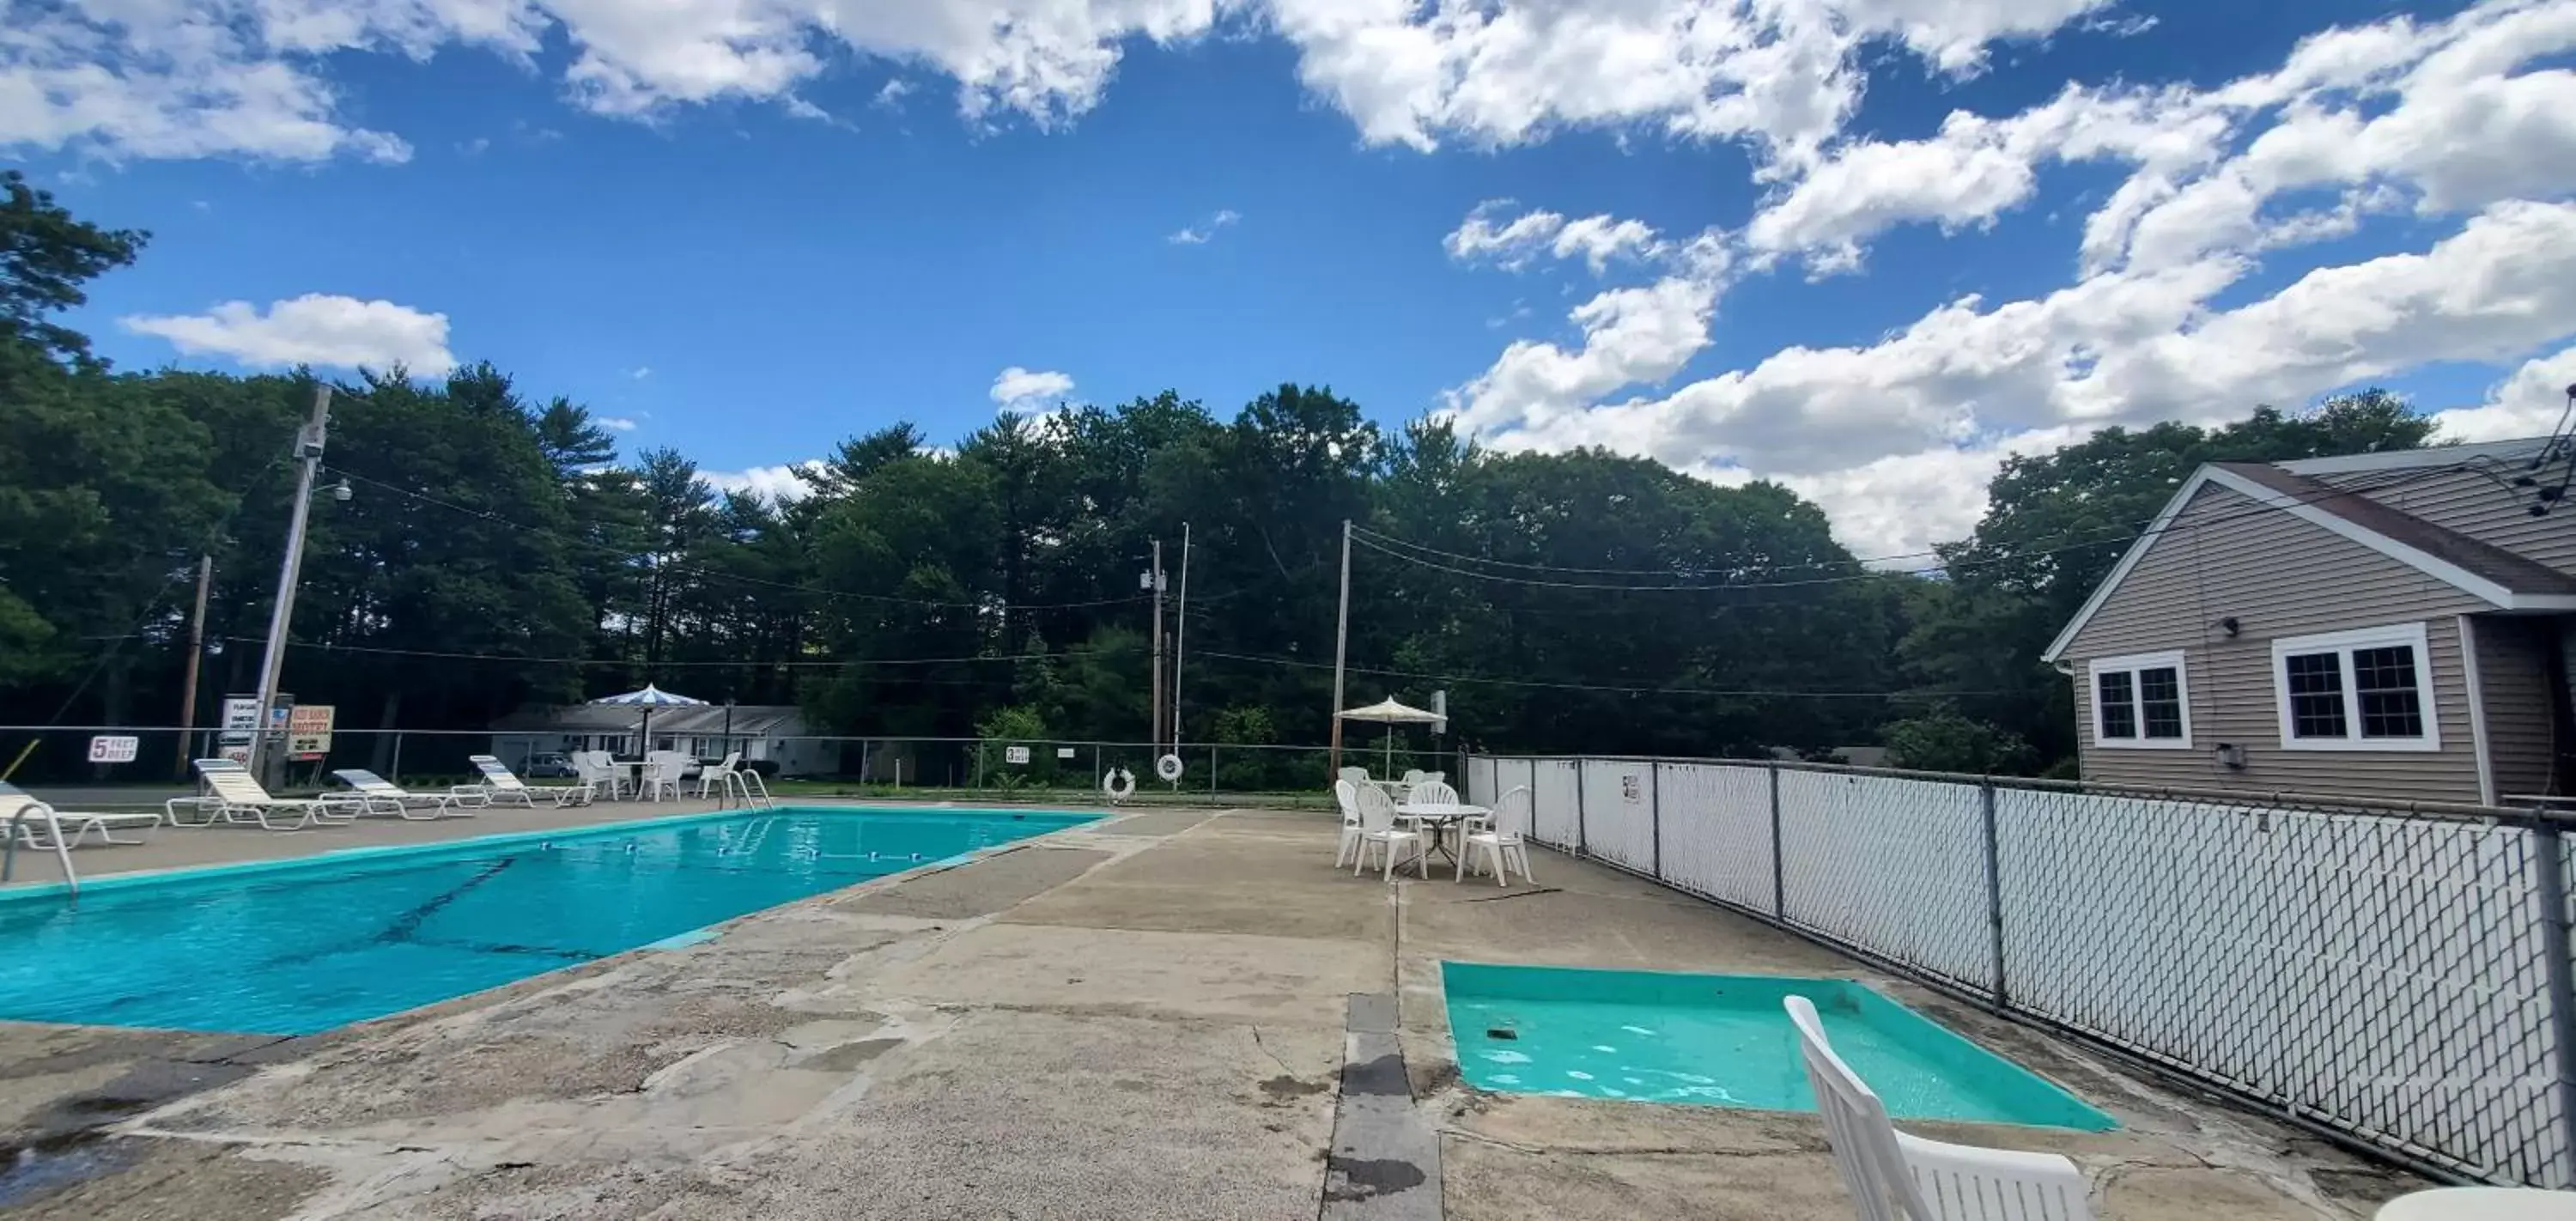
[1168,767]
[1118,783]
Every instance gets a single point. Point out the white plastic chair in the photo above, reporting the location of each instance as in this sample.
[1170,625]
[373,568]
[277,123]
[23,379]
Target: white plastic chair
[1432,792]
[663,770]
[709,778]
[1896,1177]
[1504,843]
[1378,829]
[1346,795]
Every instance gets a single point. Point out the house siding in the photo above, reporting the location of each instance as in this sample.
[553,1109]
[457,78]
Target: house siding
[2278,576]
[2513,676]
[2471,502]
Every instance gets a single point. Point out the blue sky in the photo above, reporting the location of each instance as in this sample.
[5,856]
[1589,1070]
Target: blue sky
[751,244]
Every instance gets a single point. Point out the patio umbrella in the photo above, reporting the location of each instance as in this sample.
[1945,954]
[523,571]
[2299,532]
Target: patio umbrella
[1391,714]
[650,698]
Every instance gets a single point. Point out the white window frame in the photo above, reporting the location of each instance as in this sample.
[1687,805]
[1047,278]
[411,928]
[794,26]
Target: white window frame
[2343,644]
[2132,663]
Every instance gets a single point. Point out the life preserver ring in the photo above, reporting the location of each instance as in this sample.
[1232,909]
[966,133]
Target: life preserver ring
[1168,767]
[1118,783]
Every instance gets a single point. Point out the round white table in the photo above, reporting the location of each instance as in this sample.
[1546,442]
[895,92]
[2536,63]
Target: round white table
[2481,1204]
[1439,816]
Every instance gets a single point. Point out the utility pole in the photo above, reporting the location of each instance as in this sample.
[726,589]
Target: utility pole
[196,654]
[1155,578]
[308,452]
[1180,635]
[1341,645]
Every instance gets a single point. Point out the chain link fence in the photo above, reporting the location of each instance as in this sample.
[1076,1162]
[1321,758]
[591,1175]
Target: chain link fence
[2396,977]
[1062,772]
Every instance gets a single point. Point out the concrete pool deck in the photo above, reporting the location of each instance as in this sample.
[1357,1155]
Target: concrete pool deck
[1147,1017]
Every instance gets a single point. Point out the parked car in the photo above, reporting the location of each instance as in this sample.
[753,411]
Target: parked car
[549,765]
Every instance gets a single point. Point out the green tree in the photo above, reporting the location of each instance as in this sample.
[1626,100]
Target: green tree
[1944,741]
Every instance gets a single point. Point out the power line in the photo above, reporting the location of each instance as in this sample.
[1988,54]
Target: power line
[2121,539]
[525,659]
[1509,682]
[712,574]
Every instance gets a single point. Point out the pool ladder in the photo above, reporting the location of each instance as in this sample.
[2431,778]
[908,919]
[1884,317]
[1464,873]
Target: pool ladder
[62,847]
[745,783]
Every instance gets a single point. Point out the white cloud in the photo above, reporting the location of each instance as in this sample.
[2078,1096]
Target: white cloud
[786,481]
[1595,239]
[318,329]
[1201,234]
[893,93]
[640,372]
[1018,389]
[614,423]
[186,78]
[1897,436]
[2530,403]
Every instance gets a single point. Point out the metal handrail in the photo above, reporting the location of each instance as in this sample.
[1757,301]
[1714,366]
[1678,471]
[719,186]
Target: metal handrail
[62,847]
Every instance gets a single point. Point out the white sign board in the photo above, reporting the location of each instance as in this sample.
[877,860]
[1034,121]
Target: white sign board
[1015,754]
[107,749]
[1064,752]
[308,731]
[238,754]
[241,715]
[1628,788]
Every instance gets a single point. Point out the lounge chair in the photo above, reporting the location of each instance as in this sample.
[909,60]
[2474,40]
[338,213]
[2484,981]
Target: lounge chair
[237,798]
[76,827]
[373,794]
[500,786]
[1896,1177]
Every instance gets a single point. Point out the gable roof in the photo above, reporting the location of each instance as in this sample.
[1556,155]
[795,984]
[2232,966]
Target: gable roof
[2481,570]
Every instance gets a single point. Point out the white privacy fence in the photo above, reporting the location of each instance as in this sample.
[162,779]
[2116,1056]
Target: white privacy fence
[2401,978]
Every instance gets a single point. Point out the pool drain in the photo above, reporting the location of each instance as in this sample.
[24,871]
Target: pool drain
[1504,1033]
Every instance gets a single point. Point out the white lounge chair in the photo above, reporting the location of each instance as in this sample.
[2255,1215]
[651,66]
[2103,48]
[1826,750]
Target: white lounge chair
[37,830]
[1378,830]
[1504,843]
[500,786]
[373,794]
[1896,1177]
[595,769]
[237,798]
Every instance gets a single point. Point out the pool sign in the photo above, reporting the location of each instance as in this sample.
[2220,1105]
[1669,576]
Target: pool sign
[241,714]
[308,730]
[1064,752]
[1015,754]
[111,749]
[1628,787]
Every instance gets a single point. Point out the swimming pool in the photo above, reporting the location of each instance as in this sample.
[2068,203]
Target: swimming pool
[1725,1040]
[295,947]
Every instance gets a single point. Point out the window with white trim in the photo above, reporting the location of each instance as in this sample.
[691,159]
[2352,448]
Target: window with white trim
[2141,702]
[2370,689]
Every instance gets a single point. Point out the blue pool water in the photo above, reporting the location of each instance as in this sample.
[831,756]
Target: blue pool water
[303,946]
[1725,1040]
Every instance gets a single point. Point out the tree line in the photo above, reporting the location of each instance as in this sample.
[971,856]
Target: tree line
[498,549]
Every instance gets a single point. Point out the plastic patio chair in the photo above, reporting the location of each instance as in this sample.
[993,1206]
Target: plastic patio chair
[1896,1177]
[1346,795]
[1378,829]
[1504,843]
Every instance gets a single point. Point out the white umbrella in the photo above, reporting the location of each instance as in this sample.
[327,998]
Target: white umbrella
[1390,714]
[650,698]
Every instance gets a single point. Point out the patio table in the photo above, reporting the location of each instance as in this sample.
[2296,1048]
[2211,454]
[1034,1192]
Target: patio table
[1437,817]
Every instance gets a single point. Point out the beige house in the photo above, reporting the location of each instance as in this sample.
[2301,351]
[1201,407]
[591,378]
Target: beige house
[2397,626]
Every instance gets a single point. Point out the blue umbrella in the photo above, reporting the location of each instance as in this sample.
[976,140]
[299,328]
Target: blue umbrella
[650,698]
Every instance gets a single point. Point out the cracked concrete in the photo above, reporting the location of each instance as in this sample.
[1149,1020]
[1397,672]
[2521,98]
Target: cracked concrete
[1142,1018]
